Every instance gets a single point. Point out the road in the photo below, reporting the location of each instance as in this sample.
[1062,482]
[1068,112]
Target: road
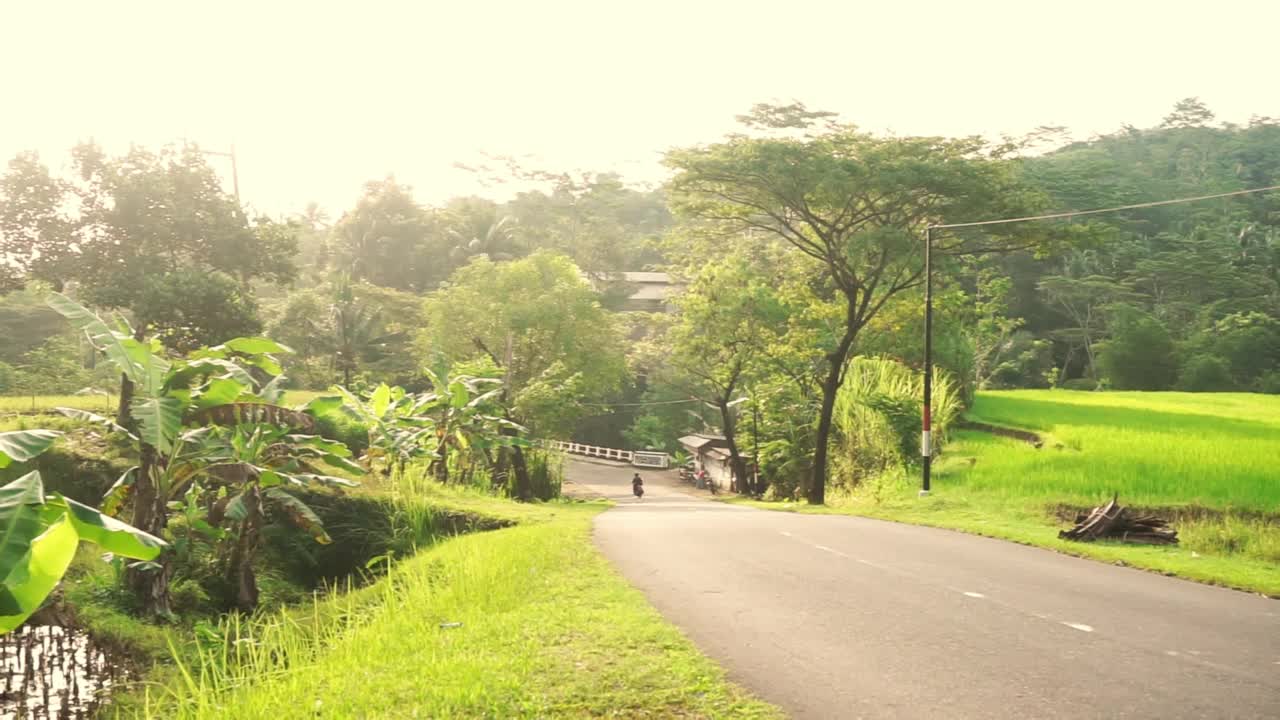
[843,617]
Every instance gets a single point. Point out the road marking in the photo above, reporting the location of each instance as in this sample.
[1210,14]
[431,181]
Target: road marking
[1079,626]
[786,534]
[824,548]
[975,595]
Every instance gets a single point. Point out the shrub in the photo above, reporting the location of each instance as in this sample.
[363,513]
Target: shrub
[1079,384]
[349,431]
[1270,383]
[1205,373]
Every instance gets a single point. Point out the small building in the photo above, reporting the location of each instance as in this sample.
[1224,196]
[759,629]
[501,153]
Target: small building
[643,291]
[711,453]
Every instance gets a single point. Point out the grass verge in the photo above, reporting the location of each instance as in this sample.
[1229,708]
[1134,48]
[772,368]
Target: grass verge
[1204,461]
[528,621]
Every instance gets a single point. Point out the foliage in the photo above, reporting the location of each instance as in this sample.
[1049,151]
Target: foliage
[1140,354]
[878,416]
[1205,373]
[39,534]
[540,325]
[856,205]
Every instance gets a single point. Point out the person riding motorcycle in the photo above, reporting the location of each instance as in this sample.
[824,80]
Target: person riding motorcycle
[637,485]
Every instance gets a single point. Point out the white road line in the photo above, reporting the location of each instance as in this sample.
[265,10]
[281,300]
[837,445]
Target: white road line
[975,595]
[824,548]
[1079,626]
[786,534]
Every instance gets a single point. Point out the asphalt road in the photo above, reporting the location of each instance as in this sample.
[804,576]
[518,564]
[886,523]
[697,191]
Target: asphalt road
[842,617]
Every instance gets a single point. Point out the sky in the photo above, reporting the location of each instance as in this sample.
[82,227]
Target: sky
[319,97]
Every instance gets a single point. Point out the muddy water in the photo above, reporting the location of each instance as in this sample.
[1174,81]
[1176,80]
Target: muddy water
[52,673]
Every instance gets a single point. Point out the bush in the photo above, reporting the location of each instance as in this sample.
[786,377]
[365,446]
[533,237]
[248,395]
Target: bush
[1270,383]
[1140,354]
[1205,373]
[1079,384]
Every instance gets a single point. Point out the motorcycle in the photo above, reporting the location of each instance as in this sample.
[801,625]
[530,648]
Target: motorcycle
[638,490]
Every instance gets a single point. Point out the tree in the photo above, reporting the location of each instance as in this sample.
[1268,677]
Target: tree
[37,239]
[1140,354]
[390,240]
[539,322]
[857,206]
[725,325]
[1188,112]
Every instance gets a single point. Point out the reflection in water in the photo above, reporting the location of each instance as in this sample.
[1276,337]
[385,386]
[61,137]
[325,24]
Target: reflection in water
[52,673]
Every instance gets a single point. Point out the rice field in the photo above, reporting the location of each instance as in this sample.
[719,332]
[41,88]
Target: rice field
[1217,451]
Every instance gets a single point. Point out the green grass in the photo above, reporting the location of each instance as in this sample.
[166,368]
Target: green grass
[547,629]
[1207,462]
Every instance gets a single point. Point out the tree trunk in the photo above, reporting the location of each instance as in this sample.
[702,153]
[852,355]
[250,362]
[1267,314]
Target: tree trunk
[150,514]
[817,490]
[240,568]
[123,418]
[736,462]
[524,487]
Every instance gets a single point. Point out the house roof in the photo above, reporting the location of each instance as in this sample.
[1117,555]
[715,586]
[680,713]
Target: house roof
[645,277]
[698,441]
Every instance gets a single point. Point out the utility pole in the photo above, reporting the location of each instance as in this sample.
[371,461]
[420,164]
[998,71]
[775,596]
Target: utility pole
[926,436]
[235,175]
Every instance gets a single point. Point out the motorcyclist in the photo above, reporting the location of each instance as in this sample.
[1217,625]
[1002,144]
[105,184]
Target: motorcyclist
[637,485]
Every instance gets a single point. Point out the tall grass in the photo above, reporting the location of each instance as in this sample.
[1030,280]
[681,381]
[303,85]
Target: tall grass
[878,416]
[523,622]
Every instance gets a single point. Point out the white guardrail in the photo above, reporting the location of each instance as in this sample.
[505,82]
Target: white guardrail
[639,458]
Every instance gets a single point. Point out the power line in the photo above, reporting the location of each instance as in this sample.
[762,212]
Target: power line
[1077,213]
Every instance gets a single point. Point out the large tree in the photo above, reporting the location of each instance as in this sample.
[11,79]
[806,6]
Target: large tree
[542,325]
[36,235]
[857,205]
[388,239]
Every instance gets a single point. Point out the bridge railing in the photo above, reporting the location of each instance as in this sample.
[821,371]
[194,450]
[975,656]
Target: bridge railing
[647,459]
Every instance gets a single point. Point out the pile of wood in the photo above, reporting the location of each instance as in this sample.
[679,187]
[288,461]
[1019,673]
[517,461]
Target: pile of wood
[1113,522]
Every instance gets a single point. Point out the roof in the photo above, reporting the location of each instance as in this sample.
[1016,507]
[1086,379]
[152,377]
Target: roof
[645,277]
[699,441]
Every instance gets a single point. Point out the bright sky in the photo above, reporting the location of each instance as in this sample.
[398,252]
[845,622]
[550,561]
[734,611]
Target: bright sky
[319,97]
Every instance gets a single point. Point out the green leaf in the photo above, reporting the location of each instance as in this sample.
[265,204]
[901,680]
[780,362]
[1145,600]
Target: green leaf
[255,346]
[323,405]
[20,504]
[96,419]
[120,349]
[110,534]
[119,492]
[219,391]
[380,400]
[458,395]
[341,463]
[39,570]
[236,509]
[273,392]
[159,420]
[23,445]
[266,363]
[269,478]
[332,447]
[299,514]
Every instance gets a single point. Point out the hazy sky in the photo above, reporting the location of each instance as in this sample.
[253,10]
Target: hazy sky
[320,96]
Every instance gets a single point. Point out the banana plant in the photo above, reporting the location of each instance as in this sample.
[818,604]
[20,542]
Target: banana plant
[467,414]
[39,533]
[254,466]
[214,385]
[398,432]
